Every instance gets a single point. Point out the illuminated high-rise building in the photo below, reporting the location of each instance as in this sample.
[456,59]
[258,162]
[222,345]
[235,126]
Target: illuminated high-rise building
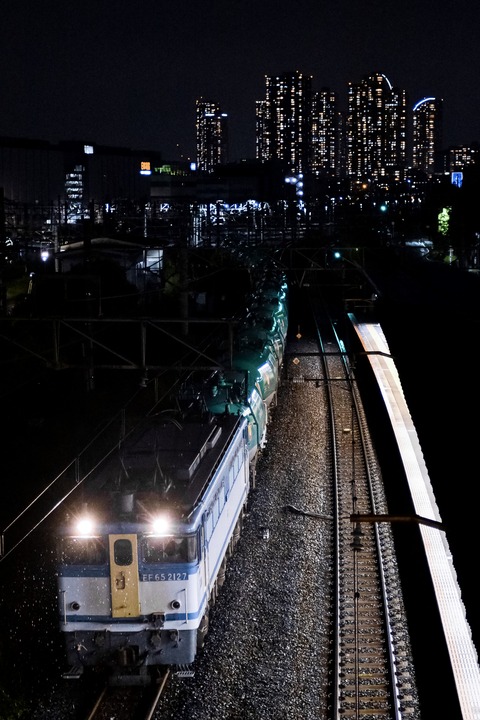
[376,129]
[427,135]
[284,121]
[326,133]
[457,158]
[212,135]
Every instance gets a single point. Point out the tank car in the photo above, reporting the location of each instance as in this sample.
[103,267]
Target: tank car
[247,379]
[269,305]
[254,334]
[259,362]
[271,315]
[259,345]
[233,392]
[142,556]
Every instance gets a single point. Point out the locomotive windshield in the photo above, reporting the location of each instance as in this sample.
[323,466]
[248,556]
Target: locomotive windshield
[123,552]
[82,551]
[169,549]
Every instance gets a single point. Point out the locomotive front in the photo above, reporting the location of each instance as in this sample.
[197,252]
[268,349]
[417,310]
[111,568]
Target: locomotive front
[129,594]
[139,559]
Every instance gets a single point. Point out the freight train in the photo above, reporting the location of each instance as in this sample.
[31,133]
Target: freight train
[142,556]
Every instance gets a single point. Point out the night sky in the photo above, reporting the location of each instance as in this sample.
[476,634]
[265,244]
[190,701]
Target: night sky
[127,73]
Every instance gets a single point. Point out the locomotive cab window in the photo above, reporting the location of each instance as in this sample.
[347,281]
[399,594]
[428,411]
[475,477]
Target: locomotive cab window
[82,551]
[170,549]
[123,552]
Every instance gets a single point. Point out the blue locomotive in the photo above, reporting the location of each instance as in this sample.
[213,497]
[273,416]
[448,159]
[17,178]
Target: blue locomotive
[142,555]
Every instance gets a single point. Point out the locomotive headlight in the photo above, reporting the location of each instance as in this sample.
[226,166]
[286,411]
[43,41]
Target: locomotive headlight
[85,526]
[160,525]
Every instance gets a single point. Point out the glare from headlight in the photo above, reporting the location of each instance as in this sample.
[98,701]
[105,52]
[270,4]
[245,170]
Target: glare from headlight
[85,526]
[160,525]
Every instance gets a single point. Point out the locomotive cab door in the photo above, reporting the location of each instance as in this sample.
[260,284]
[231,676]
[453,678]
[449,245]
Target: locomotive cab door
[124,575]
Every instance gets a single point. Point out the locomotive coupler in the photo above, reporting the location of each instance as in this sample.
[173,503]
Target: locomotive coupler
[158,620]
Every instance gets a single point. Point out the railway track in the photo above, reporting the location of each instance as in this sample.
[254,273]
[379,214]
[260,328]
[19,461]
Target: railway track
[129,703]
[372,674]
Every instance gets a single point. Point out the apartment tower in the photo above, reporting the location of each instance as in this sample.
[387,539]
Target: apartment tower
[211,135]
[326,134]
[427,135]
[284,121]
[376,129]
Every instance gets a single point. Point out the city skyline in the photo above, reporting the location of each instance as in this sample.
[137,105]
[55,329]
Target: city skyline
[130,76]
